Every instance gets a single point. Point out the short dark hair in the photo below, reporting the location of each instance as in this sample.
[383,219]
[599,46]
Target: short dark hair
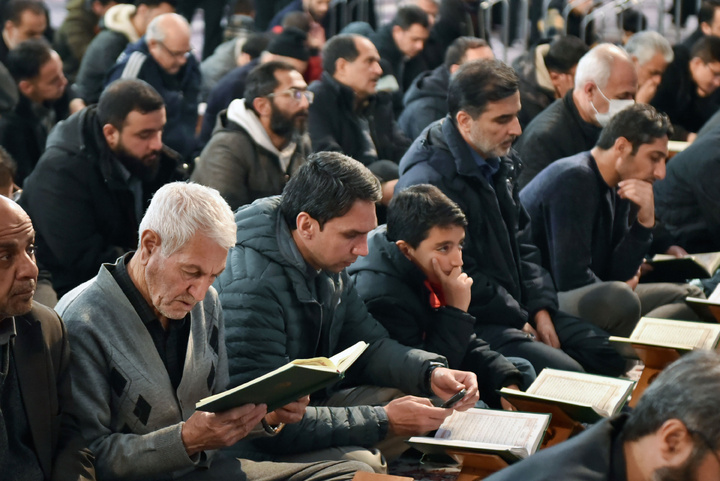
[687,390]
[479,82]
[707,49]
[14,9]
[414,211]
[25,61]
[634,21]
[124,96]
[326,187]
[8,168]
[565,53]
[339,46]
[261,81]
[409,15]
[299,20]
[707,11]
[639,124]
[457,50]
[155,3]
[255,44]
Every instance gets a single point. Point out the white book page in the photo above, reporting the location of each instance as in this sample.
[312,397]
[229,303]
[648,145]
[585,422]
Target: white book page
[715,296]
[698,335]
[603,393]
[505,428]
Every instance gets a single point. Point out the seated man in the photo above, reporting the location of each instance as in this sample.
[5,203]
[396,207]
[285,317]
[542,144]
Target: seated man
[122,24]
[259,141]
[670,435]
[468,157]
[43,101]
[399,43]
[288,47]
[605,83]
[88,192]
[23,20]
[137,410]
[708,18]
[546,73]
[164,59]
[348,115]
[286,295]
[687,201]
[688,92]
[426,99]
[35,377]
[651,53]
[592,217]
[412,282]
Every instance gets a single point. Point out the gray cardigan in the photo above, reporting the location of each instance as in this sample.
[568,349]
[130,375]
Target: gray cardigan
[127,409]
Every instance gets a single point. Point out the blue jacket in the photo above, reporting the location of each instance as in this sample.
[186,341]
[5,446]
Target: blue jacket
[179,91]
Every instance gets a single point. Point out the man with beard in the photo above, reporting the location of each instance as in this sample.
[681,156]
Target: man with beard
[673,434]
[259,141]
[35,377]
[90,187]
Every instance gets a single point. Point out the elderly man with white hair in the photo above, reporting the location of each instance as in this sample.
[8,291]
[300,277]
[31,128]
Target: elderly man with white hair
[149,342]
[651,53]
[605,82]
[164,59]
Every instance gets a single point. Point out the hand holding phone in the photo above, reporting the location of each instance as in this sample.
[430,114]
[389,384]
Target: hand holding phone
[454,399]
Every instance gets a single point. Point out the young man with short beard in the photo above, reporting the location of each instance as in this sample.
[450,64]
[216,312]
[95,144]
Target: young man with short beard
[90,188]
[261,140]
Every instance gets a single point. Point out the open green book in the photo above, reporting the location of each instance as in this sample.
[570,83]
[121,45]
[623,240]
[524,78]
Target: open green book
[683,336]
[585,398]
[287,383]
[509,434]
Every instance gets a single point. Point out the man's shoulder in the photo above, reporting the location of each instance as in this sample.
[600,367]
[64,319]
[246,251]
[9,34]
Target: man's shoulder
[90,299]
[549,121]
[50,322]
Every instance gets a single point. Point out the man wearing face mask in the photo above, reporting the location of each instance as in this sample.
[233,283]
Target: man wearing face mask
[605,83]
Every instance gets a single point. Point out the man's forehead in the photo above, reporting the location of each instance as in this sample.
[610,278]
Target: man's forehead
[137,120]
[14,223]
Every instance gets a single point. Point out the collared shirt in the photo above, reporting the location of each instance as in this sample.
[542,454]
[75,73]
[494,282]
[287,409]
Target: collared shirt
[172,343]
[488,167]
[135,186]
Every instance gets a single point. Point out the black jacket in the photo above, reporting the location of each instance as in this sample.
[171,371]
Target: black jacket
[677,97]
[334,125]
[82,209]
[687,201]
[556,133]
[534,97]
[509,286]
[425,101]
[394,292]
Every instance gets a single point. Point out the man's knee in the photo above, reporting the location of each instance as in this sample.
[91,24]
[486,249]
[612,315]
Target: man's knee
[614,306]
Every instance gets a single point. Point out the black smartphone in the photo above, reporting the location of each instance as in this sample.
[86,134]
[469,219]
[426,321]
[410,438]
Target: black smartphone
[454,400]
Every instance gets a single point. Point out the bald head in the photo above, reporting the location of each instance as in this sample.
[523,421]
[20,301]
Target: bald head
[168,39]
[18,272]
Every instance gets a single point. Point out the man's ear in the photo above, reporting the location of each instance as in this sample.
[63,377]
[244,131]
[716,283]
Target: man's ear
[111,134]
[149,242]
[26,88]
[676,443]
[306,225]
[262,106]
[463,120]
[705,27]
[623,146]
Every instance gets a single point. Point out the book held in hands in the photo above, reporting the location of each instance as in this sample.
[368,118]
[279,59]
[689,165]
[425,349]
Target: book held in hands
[668,268]
[287,383]
[509,434]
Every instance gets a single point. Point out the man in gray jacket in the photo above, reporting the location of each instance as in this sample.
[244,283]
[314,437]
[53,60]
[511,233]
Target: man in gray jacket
[261,140]
[286,295]
[149,343]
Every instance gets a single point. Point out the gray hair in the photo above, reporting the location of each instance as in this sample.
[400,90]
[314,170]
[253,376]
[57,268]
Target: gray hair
[596,65]
[179,210]
[687,390]
[156,31]
[645,45]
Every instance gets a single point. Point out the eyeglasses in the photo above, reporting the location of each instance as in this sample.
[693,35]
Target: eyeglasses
[296,94]
[184,54]
[715,73]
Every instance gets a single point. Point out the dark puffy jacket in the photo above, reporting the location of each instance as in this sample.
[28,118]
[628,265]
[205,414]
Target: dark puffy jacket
[425,101]
[508,282]
[99,58]
[687,201]
[394,292]
[82,209]
[179,91]
[334,125]
[273,315]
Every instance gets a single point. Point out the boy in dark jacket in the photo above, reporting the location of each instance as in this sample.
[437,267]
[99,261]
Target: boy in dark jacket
[412,282]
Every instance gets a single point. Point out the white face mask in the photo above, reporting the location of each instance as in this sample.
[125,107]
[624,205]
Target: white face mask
[614,106]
